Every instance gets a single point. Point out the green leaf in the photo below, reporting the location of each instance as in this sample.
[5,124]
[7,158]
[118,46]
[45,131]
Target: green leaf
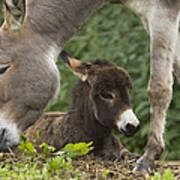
[78,149]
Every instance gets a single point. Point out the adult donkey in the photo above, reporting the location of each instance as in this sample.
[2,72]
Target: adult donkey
[47,25]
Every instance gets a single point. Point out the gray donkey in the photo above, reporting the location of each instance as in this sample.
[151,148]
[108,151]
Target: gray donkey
[33,33]
[29,78]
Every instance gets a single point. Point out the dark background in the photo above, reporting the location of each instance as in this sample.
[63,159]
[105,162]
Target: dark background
[116,34]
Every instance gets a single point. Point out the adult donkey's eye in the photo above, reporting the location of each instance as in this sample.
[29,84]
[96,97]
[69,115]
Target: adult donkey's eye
[3,68]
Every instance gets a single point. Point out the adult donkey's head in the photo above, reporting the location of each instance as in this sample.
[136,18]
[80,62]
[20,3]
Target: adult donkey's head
[28,75]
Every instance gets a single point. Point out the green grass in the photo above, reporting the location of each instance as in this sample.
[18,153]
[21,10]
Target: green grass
[42,162]
[32,165]
[167,175]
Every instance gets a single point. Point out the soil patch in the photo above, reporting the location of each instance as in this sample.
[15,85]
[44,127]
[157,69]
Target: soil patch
[94,168]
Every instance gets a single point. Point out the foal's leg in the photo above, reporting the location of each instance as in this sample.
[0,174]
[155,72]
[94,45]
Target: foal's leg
[163,29]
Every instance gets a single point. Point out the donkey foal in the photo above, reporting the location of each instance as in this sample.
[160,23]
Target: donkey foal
[100,103]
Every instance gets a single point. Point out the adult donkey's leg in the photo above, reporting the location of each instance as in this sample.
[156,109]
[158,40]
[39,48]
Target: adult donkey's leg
[163,29]
[177,60]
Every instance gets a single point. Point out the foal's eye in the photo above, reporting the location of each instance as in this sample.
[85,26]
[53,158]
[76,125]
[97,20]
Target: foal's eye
[107,96]
[3,68]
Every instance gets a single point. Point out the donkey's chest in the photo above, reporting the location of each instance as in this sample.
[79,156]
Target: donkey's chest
[51,58]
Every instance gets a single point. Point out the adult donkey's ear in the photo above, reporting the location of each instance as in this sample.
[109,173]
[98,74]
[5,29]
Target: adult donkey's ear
[14,13]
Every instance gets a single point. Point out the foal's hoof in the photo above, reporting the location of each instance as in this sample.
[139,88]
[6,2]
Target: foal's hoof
[144,164]
[131,156]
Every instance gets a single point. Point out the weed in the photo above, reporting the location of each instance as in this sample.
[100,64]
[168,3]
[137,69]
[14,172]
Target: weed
[167,175]
[46,165]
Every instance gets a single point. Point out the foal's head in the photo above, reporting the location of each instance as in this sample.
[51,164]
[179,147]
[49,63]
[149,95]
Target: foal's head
[108,91]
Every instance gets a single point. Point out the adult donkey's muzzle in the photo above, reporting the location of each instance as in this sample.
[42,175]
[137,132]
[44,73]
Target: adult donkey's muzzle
[9,137]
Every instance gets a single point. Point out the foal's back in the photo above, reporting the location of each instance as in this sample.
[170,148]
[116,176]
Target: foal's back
[48,128]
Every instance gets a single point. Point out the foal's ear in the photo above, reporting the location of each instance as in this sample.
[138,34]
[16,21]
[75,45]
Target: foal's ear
[79,68]
[14,13]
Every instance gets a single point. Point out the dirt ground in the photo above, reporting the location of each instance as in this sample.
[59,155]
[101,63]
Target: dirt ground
[94,168]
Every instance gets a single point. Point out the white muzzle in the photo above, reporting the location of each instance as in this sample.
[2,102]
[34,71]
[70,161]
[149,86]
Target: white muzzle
[128,123]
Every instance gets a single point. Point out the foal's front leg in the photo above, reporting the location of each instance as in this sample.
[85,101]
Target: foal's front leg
[163,29]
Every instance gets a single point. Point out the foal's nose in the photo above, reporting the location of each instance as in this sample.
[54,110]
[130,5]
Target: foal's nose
[128,123]
[130,129]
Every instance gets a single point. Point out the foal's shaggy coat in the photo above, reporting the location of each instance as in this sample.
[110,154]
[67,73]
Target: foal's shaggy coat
[98,104]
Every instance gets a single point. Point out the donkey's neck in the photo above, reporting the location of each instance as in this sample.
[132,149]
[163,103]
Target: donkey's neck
[91,128]
[58,20]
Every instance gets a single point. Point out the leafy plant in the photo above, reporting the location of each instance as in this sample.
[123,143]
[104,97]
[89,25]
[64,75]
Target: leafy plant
[167,175]
[27,147]
[76,150]
[34,165]
[47,149]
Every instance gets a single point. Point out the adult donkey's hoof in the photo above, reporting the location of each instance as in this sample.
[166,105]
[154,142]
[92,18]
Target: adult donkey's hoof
[144,164]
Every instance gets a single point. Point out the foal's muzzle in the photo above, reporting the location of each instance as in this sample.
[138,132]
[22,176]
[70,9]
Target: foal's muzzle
[128,123]
[130,130]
